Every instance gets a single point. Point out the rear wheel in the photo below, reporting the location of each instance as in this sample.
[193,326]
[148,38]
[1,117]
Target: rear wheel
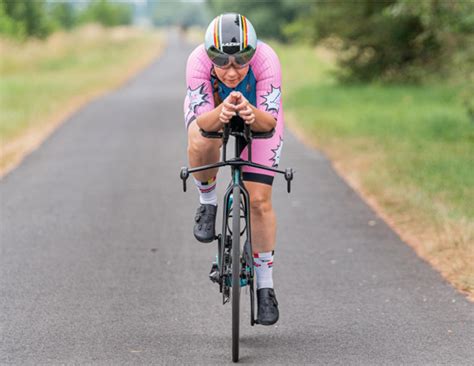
[235,273]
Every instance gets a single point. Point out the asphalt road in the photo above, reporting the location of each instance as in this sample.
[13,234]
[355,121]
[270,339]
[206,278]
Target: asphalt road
[99,265]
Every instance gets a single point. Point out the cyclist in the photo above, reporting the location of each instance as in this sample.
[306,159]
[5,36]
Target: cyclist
[233,77]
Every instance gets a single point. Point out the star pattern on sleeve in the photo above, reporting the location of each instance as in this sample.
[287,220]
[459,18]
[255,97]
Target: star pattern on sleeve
[197,97]
[272,99]
[277,153]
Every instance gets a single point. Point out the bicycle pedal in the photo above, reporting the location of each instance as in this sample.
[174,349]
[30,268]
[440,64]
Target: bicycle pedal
[214,277]
[214,273]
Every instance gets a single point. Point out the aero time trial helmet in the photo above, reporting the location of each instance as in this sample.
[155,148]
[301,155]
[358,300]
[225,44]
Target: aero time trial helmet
[230,37]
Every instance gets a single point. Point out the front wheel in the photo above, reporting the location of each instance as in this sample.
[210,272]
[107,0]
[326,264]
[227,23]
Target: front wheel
[235,273]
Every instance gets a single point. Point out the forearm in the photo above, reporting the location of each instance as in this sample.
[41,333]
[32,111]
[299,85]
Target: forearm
[264,121]
[209,121]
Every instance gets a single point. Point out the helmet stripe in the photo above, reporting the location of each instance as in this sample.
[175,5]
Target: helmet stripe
[220,32]
[240,31]
[244,29]
[216,39]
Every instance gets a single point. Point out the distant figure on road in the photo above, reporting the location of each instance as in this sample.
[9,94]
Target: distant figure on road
[234,75]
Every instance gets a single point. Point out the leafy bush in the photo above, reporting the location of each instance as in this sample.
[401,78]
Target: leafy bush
[269,17]
[392,40]
[108,14]
[64,15]
[24,18]
[7,24]
[21,19]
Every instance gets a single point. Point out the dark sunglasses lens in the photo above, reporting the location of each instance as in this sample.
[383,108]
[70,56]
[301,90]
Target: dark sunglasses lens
[218,58]
[243,57]
[221,60]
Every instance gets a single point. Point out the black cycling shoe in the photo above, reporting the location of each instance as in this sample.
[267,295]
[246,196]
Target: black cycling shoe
[204,229]
[267,306]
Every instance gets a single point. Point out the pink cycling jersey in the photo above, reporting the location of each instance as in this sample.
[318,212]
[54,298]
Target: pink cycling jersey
[267,71]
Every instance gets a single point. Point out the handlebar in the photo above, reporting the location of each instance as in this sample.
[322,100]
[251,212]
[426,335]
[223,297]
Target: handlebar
[245,134]
[185,171]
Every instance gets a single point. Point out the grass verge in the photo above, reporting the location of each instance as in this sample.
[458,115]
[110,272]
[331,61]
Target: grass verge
[42,82]
[408,150]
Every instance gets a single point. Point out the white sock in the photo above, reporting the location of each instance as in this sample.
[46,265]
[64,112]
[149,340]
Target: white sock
[207,191]
[263,264]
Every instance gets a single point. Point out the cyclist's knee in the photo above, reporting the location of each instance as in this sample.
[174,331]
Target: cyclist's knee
[260,203]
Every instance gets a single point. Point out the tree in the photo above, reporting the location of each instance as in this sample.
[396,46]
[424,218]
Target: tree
[268,17]
[108,14]
[64,14]
[23,18]
[392,39]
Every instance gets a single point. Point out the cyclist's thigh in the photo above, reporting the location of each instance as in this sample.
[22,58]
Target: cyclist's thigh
[265,152]
[196,139]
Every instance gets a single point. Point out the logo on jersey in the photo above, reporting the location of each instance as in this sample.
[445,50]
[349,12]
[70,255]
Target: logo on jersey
[272,99]
[196,98]
[248,89]
[276,154]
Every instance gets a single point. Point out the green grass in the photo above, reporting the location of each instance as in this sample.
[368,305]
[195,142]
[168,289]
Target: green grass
[425,134]
[39,78]
[416,145]
[423,131]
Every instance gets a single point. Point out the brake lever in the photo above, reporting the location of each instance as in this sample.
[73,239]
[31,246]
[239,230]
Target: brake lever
[289,177]
[184,176]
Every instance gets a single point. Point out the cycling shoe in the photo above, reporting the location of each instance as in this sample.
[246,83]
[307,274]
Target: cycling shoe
[205,222]
[267,306]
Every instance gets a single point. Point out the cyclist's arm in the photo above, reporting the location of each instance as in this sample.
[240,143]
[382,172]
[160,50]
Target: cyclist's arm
[264,121]
[267,70]
[199,100]
[209,121]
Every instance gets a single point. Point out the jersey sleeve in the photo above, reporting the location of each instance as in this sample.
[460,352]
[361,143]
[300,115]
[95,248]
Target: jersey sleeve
[199,91]
[268,74]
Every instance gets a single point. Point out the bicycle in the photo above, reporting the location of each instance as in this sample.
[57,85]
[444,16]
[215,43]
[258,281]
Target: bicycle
[233,268]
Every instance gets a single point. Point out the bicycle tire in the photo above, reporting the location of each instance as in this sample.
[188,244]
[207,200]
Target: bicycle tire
[235,273]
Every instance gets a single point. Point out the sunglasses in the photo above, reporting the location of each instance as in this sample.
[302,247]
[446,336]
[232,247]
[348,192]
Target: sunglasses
[224,61]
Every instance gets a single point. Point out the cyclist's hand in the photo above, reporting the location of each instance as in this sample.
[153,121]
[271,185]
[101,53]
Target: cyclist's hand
[228,109]
[245,110]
